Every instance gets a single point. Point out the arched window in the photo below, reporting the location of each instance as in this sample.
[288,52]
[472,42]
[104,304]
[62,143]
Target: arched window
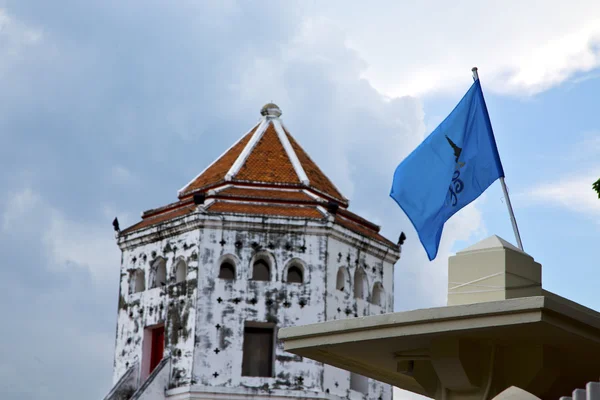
[361,287]
[294,274]
[378,295]
[139,281]
[227,270]
[261,271]
[359,383]
[343,279]
[160,272]
[180,271]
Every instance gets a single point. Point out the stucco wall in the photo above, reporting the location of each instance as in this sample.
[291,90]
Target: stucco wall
[175,303]
[227,305]
[349,255]
[205,315]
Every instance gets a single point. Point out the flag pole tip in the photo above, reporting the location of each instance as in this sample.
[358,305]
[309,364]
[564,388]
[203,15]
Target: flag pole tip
[474,69]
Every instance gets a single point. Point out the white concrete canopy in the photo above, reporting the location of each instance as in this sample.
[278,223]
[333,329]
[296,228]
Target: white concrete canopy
[546,345]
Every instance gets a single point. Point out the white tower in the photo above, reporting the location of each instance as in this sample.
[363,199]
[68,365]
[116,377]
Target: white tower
[261,239]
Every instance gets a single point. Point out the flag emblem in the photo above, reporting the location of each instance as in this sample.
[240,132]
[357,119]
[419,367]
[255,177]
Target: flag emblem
[452,167]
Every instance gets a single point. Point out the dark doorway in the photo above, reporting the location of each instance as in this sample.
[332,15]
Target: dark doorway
[261,271]
[158,347]
[258,352]
[227,271]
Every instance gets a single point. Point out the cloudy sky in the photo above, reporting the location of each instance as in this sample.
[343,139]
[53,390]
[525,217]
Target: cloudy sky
[109,107]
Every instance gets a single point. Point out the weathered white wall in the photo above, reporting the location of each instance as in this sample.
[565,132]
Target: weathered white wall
[205,316]
[221,322]
[350,254]
[173,305]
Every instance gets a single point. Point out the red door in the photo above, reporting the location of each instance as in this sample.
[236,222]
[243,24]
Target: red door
[158,347]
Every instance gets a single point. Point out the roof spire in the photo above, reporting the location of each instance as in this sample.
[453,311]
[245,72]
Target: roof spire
[266,155]
[270,110]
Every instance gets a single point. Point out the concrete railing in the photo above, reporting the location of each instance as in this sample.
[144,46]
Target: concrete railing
[126,385]
[591,392]
[155,385]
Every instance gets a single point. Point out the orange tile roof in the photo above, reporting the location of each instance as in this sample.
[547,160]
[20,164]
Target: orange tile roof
[268,162]
[317,178]
[168,207]
[274,194]
[357,218]
[264,209]
[363,230]
[162,217]
[265,171]
[293,211]
[215,173]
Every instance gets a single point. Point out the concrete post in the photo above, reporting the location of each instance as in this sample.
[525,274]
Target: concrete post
[492,270]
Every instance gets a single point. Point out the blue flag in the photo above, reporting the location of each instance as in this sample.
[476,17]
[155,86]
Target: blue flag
[453,166]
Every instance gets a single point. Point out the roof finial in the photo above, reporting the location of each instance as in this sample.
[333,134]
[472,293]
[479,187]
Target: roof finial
[270,110]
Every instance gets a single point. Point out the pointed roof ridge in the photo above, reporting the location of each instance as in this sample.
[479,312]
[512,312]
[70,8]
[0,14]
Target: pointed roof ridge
[268,162]
[216,160]
[267,155]
[265,173]
[309,158]
[290,152]
[255,139]
[490,243]
[243,157]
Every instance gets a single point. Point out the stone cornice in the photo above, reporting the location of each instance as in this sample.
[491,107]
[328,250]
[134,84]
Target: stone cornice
[198,220]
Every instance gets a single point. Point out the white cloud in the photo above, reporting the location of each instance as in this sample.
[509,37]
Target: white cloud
[121,175]
[18,205]
[573,192]
[337,116]
[558,59]
[125,219]
[420,283]
[61,275]
[66,241]
[430,46]
[91,246]
[15,38]
[588,148]
[204,86]
[357,136]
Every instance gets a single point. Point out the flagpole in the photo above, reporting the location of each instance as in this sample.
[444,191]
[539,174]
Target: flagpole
[508,204]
